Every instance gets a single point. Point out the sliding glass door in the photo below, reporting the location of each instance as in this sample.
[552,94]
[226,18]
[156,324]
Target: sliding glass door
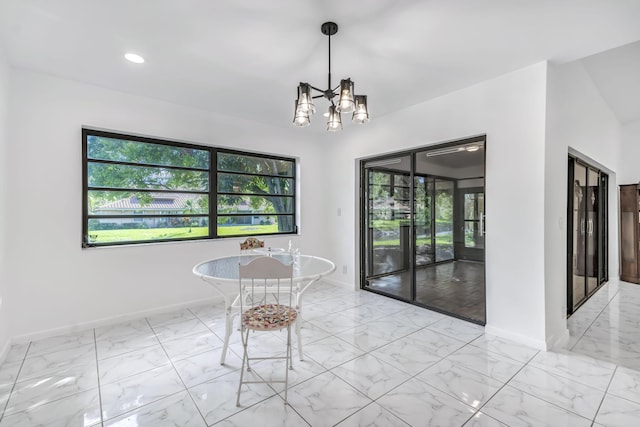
[387,216]
[588,212]
[422,227]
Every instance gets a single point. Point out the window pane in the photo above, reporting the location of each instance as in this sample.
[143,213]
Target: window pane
[118,230]
[470,206]
[142,203]
[402,180]
[236,183]
[244,225]
[254,204]
[145,177]
[125,151]
[231,162]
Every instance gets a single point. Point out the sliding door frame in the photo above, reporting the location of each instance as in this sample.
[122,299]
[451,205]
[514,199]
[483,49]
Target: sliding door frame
[363,213]
[602,233]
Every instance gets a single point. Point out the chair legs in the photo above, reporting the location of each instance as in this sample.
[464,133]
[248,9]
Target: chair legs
[245,361]
[288,364]
[246,364]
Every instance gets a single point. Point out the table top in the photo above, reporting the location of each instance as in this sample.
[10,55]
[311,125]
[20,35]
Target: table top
[225,269]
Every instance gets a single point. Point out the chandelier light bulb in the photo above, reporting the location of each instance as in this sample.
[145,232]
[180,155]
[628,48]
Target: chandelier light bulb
[300,118]
[305,100]
[346,103]
[360,113]
[334,123]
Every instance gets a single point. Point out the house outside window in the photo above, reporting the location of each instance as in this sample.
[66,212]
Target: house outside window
[141,190]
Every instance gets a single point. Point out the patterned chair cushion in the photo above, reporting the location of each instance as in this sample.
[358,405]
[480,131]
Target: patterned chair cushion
[251,243]
[269,317]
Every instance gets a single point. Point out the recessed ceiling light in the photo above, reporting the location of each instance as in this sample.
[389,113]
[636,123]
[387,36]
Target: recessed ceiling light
[134,58]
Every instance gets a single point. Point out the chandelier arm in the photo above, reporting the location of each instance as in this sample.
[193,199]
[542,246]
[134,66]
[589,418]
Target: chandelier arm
[317,96]
[316,89]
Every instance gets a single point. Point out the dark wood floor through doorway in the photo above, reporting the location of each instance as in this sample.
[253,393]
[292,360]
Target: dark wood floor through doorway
[455,287]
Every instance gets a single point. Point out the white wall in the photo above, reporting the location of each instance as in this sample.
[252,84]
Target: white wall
[4,141]
[511,111]
[628,157]
[56,284]
[578,120]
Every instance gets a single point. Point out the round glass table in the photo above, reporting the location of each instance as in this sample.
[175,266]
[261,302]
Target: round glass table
[223,274]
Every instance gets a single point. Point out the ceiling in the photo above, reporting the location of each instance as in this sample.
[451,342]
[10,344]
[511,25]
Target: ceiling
[244,58]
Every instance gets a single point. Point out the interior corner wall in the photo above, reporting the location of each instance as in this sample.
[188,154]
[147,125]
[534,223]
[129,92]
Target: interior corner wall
[510,110]
[630,153]
[57,285]
[4,318]
[578,121]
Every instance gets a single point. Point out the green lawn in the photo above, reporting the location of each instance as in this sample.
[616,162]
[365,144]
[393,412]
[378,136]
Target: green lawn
[236,230]
[133,235]
[105,236]
[446,239]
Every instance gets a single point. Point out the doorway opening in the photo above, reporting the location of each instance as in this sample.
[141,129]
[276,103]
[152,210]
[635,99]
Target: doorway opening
[423,227]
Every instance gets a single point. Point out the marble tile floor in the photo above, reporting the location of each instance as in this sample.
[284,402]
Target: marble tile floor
[369,361]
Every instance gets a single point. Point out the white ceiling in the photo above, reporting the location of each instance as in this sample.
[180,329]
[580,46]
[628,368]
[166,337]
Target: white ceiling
[245,57]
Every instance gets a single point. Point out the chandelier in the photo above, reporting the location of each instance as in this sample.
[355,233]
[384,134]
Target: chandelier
[348,102]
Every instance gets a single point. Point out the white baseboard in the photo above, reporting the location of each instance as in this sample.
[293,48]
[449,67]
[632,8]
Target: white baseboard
[346,285]
[559,342]
[521,339]
[125,318]
[110,321]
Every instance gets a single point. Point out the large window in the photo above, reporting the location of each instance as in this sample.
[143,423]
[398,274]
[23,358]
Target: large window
[146,190]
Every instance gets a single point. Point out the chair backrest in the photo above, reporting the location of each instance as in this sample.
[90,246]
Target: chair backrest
[265,280]
[251,243]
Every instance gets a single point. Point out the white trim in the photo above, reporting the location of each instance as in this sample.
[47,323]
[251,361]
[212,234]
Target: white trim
[521,339]
[559,343]
[111,320]
[346,285]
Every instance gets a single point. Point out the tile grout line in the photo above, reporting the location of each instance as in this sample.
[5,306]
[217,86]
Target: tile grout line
[502,387]
[176,371]
[13,387]
[595,318]
[604,396]
[95,347]
[552,403]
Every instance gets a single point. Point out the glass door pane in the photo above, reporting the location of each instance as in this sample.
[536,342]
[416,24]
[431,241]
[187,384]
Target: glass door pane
[423,191]
[387,224]
[444,219]
[591,231]
[469,239]
[603,229]
[579,232]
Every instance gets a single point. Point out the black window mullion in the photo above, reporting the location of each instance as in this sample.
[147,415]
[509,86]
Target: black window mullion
[145,165]
[213,194]
[147,190]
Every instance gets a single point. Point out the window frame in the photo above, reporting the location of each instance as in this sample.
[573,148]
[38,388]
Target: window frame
[212,192]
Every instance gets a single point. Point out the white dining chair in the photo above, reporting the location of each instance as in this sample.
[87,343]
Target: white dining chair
[267,303]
